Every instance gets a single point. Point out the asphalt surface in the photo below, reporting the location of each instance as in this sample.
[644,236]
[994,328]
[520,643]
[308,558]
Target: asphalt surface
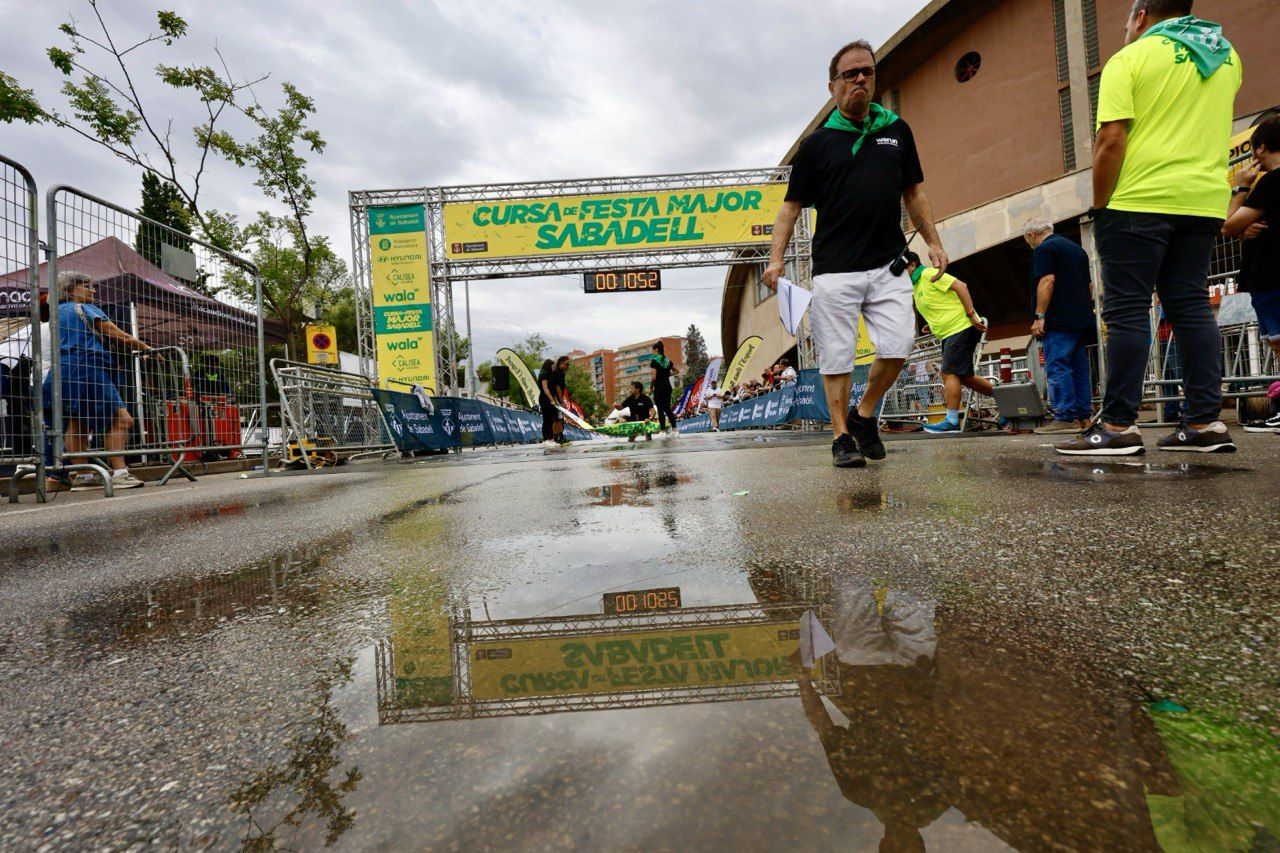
[1032,653]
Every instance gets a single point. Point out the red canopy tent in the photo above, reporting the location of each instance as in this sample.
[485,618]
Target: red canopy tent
[169,312]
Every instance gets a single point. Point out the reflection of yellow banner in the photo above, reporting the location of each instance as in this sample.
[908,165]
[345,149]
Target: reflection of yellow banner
[653,659]
[611,222]
[733,375]
[422,658]
[401,295]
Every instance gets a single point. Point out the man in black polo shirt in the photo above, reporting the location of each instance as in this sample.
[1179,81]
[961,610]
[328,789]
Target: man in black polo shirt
[856,171]
[1064,323]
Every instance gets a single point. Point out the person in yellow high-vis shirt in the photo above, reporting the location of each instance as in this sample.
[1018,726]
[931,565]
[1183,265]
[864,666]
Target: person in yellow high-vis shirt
[948,310]
[1160,193]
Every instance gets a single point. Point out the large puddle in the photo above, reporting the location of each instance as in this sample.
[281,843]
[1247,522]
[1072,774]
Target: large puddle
[617,664]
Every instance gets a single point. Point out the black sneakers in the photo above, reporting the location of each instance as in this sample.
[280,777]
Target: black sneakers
[1100,441]
[866,435]
[1271,424]
[844,453]
[1212,439]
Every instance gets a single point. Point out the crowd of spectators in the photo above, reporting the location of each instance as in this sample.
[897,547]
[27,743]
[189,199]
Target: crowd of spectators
[777,375]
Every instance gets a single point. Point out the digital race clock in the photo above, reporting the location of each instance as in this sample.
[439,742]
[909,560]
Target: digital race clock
[621,281]
[641,601]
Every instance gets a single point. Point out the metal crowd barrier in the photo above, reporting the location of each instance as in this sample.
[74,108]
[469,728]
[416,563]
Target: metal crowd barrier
[182,296]
[329,416]
[22,348]
[918,393]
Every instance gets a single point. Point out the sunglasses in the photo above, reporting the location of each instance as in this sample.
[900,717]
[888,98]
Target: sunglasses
[851,74]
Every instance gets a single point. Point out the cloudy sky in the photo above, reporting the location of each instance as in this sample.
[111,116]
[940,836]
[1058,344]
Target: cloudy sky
[426,94]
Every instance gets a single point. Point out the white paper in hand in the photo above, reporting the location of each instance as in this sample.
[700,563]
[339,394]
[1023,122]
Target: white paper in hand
[792,303]
[815,642]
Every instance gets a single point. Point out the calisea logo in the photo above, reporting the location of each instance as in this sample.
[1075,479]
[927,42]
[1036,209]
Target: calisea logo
[771,409]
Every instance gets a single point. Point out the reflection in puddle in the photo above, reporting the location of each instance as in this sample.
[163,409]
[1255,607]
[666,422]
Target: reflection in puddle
[1110,470]
[871,500]
[927,714]
[303,785]
[177,605]
[636,490]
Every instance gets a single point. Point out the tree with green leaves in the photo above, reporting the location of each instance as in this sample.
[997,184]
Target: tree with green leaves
[17,103]
[161,202]
[695,356]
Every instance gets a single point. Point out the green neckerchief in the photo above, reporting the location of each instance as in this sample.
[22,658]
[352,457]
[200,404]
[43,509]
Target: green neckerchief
[878,118]
[916,273]
[660,360]
[1204,40]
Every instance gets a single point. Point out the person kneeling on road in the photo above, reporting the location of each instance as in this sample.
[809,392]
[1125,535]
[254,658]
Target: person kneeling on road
[948,310]
[639,408]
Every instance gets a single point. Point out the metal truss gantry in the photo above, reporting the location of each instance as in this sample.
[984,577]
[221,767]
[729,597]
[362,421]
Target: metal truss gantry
[444,272]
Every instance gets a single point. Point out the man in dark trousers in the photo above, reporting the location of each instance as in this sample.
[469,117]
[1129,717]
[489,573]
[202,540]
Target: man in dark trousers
[857,171]
[1160,194]
[1255,215]
[1064,323]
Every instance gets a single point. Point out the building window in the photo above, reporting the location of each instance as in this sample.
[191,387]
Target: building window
[1094,81]
[757,279]
[967,67]
[1093,56]
[1060,39]
[1068,130]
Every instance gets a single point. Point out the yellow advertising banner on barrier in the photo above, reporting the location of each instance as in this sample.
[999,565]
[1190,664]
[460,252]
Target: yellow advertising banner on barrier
[611,222]
[669,657]
[401,284]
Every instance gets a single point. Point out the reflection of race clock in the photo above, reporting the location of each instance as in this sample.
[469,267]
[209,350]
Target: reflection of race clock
[617,281]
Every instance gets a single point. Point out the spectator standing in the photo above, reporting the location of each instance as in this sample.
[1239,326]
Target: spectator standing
[857,171]
[715,403]
[1064,323]
[948,308]
[90,400]
[548,390]
[662,367]
[1256,210]
[1160,194]
[786,374]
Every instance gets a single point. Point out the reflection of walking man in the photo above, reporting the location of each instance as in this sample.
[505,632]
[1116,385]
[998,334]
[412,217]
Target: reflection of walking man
[1160,193]
[856,171]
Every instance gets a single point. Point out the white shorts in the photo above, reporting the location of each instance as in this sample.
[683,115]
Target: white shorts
[883,300]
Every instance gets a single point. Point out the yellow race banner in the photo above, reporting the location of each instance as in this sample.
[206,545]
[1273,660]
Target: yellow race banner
[401,284]
[520,372]
[738,365]
[652,659]
[611,222]
[865,351]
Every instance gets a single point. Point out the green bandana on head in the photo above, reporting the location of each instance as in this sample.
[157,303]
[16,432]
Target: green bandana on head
[1204,40]
[878,118]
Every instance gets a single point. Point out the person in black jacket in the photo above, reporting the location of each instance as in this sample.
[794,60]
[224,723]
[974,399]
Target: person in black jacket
[548,390]
[662,367]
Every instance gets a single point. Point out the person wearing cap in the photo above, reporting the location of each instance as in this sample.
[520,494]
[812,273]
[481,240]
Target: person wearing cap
[948,310]
[90,400]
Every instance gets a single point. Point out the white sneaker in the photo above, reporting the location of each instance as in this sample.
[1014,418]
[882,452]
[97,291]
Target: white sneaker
[85,482]
[550,443]
[124,480]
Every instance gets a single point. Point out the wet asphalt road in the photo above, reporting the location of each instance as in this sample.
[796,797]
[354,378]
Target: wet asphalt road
[1031,653]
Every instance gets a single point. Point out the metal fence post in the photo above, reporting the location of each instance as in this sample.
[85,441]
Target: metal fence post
[20,244]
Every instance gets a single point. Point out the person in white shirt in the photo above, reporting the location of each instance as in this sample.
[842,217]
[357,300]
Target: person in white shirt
[714,397]
[788,373]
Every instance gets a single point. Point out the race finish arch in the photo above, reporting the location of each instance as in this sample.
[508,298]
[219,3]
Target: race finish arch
[411,245]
